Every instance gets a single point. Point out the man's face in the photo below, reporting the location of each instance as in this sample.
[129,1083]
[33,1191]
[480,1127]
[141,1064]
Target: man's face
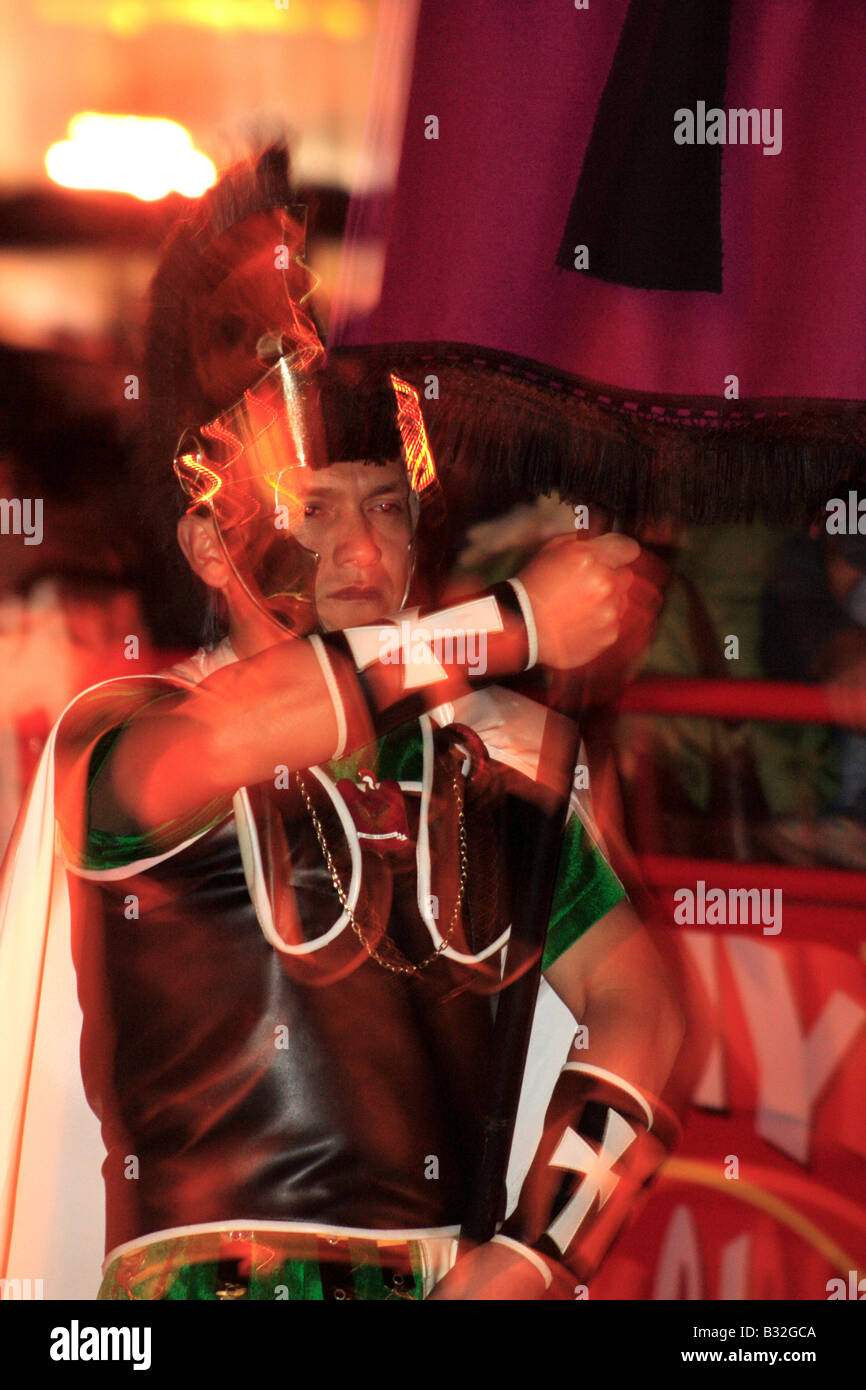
[356,517]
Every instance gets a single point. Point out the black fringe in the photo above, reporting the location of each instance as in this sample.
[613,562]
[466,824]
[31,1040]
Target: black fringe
[505,427]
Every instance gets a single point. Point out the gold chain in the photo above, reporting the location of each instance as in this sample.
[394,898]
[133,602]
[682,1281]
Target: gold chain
[408,969]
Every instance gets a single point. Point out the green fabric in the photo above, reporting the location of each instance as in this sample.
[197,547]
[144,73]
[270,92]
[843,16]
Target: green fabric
[586,889]
[104,849]
[398,756]
[401,757]
[586,886]
[350,766]
[163,1277]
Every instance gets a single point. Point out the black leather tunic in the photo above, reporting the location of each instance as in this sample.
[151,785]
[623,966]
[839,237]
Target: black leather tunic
[239,1083]
[231,1088]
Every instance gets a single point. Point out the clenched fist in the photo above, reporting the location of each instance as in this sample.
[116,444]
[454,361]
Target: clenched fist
[578,594]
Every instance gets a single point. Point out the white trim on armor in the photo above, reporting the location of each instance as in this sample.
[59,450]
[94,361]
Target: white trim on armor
[251,851]
[251,859]
[422,859]
[135,866]
[531,1255]
[442,715]
[619,1081]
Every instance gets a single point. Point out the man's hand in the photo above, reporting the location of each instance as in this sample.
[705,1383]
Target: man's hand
[491,1272]
[578,594]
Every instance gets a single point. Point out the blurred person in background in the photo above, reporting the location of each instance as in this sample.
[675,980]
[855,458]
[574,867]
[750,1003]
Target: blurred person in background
[814,629]
[708,787]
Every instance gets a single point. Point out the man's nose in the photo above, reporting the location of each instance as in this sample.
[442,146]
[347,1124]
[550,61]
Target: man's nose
[357,544]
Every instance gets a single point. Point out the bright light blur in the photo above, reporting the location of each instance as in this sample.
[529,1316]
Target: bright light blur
[141,155]
[345,20]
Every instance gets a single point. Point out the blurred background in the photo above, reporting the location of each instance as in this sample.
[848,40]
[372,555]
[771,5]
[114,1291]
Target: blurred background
[113,115]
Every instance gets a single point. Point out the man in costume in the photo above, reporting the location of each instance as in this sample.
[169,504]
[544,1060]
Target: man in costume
[292,861]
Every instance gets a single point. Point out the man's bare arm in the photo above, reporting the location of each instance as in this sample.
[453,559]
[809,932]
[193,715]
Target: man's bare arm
[614,982]
[182,752]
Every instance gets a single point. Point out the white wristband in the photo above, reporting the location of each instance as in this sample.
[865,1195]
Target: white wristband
[529,620]
[530,1255]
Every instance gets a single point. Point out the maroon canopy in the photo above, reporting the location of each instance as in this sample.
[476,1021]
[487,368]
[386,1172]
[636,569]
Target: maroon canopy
[706,261]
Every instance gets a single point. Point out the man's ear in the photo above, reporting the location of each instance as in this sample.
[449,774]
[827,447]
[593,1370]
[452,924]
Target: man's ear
[197,538]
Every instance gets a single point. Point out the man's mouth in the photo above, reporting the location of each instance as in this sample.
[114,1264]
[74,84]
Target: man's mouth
[356,591]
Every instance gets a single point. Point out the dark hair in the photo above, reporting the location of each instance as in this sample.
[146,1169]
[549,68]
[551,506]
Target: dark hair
[358,411]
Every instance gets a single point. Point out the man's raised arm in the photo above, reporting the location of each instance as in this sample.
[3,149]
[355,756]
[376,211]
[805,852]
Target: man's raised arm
[304,701]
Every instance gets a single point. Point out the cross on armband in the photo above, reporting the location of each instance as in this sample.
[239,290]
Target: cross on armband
[397,663]
[603,1141]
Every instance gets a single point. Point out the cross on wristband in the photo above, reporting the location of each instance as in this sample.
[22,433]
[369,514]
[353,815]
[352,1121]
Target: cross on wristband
[603,1141]
[399,662]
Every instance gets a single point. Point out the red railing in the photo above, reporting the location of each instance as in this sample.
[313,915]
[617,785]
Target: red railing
[744,700]
[734,699]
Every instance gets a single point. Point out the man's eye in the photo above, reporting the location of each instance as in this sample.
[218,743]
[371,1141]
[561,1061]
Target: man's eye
[389,507]
[311,509]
